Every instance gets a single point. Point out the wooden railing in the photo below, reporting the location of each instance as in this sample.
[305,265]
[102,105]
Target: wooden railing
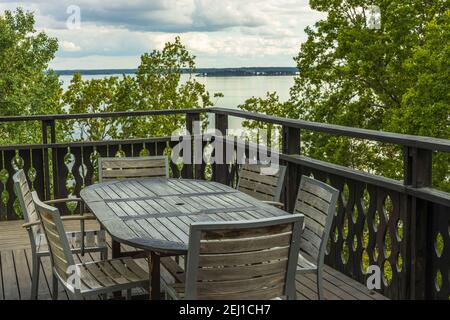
[401,226]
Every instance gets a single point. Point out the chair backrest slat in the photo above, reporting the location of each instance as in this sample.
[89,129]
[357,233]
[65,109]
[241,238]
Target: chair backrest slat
[55,234]
[317,202]
[137,167]
[261,181]
[243,260]
[26,201]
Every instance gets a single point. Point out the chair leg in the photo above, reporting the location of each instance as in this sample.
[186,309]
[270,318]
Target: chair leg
[35,278]
[292,295]
[104,254]
[320,286]
[54,288]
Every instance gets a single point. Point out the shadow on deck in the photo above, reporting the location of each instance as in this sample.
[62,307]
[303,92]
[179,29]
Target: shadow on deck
[15,275]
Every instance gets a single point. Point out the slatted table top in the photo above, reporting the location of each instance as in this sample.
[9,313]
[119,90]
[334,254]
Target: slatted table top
[155,214]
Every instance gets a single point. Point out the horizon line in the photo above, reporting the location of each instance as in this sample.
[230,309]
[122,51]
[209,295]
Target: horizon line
[198,68]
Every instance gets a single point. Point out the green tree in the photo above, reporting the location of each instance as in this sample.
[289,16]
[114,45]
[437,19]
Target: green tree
[272,105]
[356,76]
[157,86]
[26,87]
[425,108]
[109,94]
[160,87]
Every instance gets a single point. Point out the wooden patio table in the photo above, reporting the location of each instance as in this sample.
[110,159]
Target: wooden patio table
[154,215]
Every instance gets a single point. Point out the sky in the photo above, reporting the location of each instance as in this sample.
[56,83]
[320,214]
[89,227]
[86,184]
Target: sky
[109,34]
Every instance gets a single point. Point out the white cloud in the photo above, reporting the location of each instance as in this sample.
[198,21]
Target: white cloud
[95,62]
[219,32]
[69,46]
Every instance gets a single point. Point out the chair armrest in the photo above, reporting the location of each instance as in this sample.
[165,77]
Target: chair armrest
[63,218]
[275,204]
[56,201]
[28,225]
[78,217]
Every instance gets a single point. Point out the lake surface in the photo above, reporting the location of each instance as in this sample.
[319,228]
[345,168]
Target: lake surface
[235,89]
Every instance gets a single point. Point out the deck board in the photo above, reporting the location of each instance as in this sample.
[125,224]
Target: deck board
[10,286]
[22,272]
[43,288]
[16,265]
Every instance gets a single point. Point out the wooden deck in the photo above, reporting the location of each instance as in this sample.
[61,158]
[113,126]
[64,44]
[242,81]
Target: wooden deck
[15,275]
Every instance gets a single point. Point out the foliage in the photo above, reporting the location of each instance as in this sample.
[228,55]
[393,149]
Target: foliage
[376,79]
[109,94]
[272,105]
[426,104]
[157,86]
[26,88]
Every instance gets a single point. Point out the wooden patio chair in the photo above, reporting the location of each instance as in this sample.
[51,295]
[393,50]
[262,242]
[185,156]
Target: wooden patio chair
[84,279]
[264,187]
[241,260]
[135,167]
[80,241]
[317,202]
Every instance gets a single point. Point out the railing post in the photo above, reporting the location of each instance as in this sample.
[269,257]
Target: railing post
[291,145]
[221,170]
[418,174]
[188,169]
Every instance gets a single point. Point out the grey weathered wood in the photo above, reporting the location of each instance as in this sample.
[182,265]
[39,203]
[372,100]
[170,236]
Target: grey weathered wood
[317,202]
[111,169]
[160,220]
[260,185]
[136,167]
[221,274]
[336,285]
[158,216]
[93,280]
[39,246]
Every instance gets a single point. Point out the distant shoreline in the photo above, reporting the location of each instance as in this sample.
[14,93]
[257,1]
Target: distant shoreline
[201,72]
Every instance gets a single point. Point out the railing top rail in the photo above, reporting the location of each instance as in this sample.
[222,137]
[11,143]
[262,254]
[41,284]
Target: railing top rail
[75,144]
[388,137]
[430,194]
[429,143]
[74,116]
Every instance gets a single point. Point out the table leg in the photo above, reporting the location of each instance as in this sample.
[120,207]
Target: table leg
[115,255]
[156,277]
[115,249]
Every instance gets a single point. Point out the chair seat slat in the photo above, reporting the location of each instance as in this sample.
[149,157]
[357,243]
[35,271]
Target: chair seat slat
[243,272]
[318,191]
[243,258]
[313,201]
[243,245]
[119,163]
[261,184]
[133,167]
[111,272]
[88,279]
[267,294]
[134,173]
[119,266]
[311,212]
